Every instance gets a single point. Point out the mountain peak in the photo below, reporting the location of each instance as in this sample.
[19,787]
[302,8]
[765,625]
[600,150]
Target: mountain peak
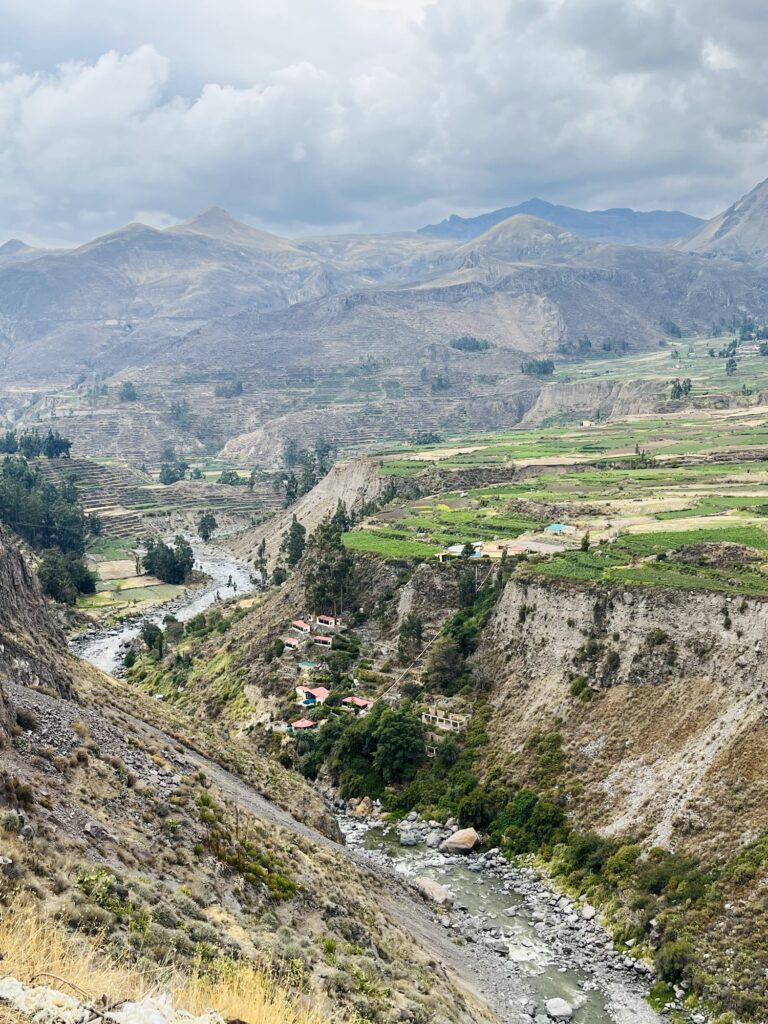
[216,222]
[741,230]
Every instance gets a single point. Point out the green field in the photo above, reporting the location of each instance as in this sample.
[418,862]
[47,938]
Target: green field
[642,487]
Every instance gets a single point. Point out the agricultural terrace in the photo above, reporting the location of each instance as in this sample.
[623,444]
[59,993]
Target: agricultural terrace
[120,590]
[678,500]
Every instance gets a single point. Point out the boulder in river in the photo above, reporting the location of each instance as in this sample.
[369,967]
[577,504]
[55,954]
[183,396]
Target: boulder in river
[409,839]
[558,1009]
[434,891]
[463,841]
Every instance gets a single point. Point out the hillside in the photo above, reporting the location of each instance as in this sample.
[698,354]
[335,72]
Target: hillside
[173,845]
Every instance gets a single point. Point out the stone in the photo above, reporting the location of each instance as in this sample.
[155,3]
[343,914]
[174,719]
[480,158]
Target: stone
[587,912]
[558,1009]
[463,841]
[409,839]
[434,891]
[97,831]
[433,840]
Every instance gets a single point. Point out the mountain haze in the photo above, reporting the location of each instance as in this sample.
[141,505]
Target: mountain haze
[622,226]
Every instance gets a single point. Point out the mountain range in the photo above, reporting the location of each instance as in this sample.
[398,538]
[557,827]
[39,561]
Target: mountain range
[318,329]
[619,226]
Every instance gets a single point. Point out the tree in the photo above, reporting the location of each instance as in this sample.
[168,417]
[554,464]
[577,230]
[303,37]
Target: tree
[327,579]
[153,637]
[730,366]
[399,745]
[260,559]
[179,413]
[445,664]
[294,542]
[206,525]
[170,563]
[64,576]
[291,490]
[308,473]
[411,634]
[467,588]
[537,367]
[172,472]
[127,392]
[292,454]
[95,524]
[585,542]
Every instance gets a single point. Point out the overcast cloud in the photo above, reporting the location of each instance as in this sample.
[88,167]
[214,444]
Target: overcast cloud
[317,115]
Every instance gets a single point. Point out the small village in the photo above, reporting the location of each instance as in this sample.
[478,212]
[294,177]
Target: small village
[315,701]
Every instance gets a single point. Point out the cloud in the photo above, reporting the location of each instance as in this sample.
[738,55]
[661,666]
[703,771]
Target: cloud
[373,114]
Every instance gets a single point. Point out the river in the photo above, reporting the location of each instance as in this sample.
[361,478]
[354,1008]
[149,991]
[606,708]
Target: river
[103,647]
[526,951]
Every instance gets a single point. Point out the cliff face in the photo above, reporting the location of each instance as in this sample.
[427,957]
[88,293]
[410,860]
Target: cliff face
[671,742]
[33,650]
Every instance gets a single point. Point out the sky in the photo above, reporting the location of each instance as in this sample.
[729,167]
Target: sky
[317,116]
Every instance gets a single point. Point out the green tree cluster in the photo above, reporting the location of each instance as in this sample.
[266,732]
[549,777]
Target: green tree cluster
[171,563]
[32,444]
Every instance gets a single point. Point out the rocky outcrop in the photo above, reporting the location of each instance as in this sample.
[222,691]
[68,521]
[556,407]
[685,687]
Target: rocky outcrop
[658,696]
[33,649]
[589,397]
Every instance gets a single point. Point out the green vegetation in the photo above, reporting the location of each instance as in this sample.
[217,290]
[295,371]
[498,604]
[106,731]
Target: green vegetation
[469,343]
[31,444]
[171,563]
[644,560]
[206,525]
[52,521]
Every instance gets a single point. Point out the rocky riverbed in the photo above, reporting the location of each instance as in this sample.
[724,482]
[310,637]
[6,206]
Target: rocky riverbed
[542,956]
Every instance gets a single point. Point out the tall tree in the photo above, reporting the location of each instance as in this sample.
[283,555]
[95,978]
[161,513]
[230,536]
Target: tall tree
[294,542]
[328,577]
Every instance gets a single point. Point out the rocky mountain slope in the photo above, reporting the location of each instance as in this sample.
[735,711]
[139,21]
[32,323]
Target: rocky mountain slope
[622,226]
[740,232]
[170,842]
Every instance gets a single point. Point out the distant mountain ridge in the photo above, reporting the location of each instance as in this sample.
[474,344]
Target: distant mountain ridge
[619,226]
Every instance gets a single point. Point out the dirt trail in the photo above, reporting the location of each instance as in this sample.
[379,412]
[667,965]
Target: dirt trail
[393,896]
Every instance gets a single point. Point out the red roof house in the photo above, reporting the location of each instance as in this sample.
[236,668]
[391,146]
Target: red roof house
[301,626]
[303,723]
[358,702]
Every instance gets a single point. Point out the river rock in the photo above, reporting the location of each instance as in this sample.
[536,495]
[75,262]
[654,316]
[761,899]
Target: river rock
[409,839]
[433,840]
[434,891]
[558,1009]
[364,808]
[587,912]
[463,841]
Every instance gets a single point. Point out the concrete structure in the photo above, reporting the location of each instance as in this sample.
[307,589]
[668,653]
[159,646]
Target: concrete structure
[445,721]
[328,621]
[291,643]
[323,641]
[301,626]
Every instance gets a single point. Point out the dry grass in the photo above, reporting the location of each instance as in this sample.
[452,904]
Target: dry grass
[36,948]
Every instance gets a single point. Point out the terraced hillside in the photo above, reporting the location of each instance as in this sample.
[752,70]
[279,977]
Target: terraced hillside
[129,502]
